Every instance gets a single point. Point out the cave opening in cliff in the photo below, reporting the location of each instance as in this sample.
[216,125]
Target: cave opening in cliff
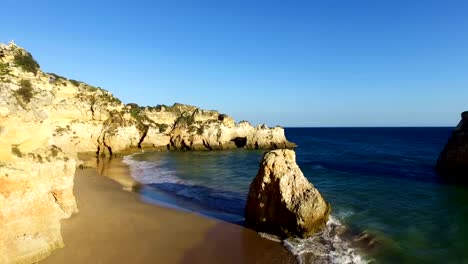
[184,146]
[240,142]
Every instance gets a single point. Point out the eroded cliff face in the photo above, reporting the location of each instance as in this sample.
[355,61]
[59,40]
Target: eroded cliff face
[282,201]
[196,129]
[452,164]
[36,192]
[84,118]
[46,119]
[36,178]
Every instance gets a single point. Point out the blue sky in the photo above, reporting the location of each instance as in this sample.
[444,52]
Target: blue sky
[293,63]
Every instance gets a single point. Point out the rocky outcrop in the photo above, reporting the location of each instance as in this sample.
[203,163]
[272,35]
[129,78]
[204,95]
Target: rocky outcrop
[213,135]
[282,201]
[452,164]
[36,192]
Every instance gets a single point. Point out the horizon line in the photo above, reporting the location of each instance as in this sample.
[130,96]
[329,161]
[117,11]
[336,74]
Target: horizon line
[368,126]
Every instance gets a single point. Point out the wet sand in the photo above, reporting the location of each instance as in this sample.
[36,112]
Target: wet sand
[115,226]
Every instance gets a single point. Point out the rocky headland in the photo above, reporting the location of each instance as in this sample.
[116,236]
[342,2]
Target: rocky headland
[452,164]
[46,119]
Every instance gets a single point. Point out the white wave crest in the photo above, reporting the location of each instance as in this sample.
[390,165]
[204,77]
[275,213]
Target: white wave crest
[151,172]
[325,247]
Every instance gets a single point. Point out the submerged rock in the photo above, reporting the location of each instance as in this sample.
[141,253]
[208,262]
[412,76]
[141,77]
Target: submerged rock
[452,164]
[282,201]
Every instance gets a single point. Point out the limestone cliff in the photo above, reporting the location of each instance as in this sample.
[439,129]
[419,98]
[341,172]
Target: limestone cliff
[86,118]
[36,178]
[46,119]
[452,164]
[282,201]
[36,192]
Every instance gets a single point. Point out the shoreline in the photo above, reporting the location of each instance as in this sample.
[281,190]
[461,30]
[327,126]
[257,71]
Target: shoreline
[336,242]
[116,226]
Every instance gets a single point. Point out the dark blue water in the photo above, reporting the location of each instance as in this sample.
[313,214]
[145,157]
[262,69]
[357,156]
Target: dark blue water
[380,181]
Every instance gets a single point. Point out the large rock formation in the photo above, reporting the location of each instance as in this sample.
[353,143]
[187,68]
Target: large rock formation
[84,118]
[282,201]
[196,129]
[46,119]
[452,164]
[36,192]
[36,178]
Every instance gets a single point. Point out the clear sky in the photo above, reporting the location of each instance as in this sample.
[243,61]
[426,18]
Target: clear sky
[293,63]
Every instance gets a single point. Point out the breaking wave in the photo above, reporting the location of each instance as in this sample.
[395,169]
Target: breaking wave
[328,246]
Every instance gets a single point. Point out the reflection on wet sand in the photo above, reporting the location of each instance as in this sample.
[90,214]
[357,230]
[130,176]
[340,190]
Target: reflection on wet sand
[112,168]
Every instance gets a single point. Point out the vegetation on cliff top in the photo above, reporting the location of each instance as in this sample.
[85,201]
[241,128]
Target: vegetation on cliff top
[185,120]
[137,112]
[4,69]
[75,82]
[57,77]
[26,62]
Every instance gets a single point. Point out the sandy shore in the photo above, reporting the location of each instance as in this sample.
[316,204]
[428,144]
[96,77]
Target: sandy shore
[115,226]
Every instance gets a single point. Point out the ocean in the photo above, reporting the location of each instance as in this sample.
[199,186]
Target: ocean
[380,182]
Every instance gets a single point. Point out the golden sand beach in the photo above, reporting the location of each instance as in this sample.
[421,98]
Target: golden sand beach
[116,226]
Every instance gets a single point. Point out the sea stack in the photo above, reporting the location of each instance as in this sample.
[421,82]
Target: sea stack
[452,164]
[282,201]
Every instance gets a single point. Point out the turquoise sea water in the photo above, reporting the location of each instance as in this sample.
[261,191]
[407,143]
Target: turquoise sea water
[379,181]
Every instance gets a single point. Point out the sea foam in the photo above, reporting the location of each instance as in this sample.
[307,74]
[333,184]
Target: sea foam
[152,172]
[327,246]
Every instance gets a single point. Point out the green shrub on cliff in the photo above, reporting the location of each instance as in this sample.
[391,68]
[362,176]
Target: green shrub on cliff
[26,62]
[75,82]
[185,120]
[4,69]
[4,72]
[132,105]
[222,117]
[162,127]
[25,91]
[57,77]
[113,99]
[15,150]
[201,130]
[135,113]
